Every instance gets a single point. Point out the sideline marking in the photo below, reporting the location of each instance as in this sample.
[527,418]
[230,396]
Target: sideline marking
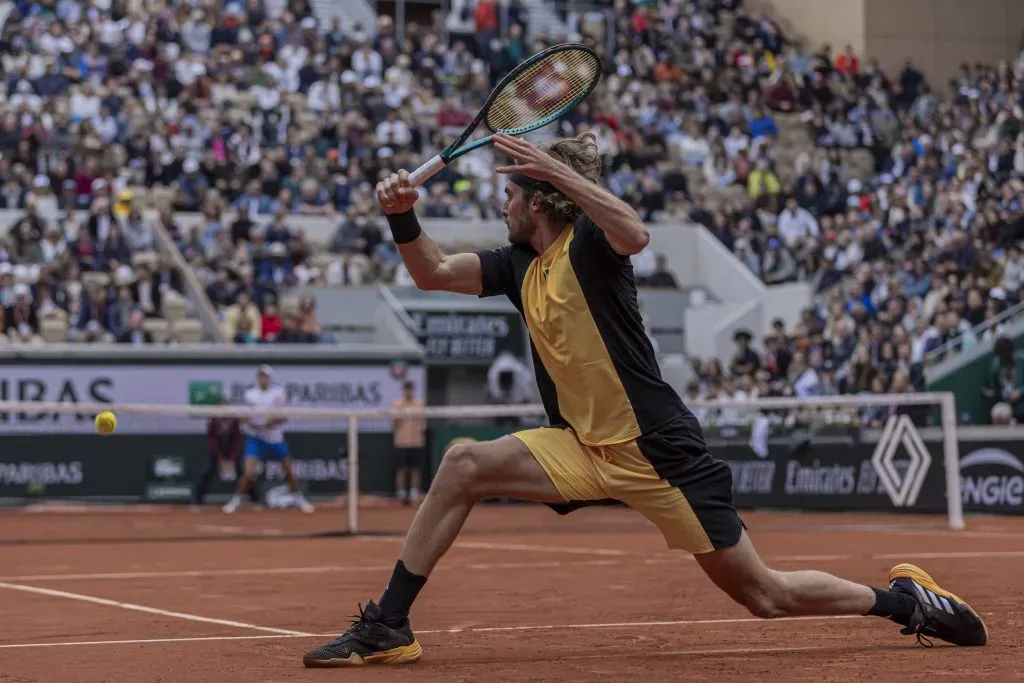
[471,629]
[516,547]
[142,608]
[474,545]
[682,559]
[197,573]
[220,529]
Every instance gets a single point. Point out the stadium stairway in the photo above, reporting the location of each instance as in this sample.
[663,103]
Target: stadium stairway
[541,14]
[351,12]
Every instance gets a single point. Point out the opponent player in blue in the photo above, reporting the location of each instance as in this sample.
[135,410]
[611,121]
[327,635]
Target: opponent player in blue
[264,439]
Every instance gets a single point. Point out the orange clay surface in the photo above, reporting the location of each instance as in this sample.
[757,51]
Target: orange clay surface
[140,593]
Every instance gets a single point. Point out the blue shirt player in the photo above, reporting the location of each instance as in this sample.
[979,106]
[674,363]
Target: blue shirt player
[264,440]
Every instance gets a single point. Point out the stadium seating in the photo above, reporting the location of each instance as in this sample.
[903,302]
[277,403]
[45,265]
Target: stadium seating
[709,112]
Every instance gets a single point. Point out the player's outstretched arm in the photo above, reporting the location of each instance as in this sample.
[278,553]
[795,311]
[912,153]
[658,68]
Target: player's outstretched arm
[623,228]
[429,267]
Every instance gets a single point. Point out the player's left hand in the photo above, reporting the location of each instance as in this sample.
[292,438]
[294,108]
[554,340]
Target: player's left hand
[528,158]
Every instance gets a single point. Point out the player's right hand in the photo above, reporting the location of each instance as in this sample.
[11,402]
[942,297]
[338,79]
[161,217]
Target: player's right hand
[395,194]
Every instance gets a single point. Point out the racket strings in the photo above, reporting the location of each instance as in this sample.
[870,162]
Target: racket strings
[544,89]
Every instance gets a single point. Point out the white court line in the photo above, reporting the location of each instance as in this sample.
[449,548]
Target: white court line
[953,535]
[449,631]
[540,565]
[474,545]
[950,556]
[220,528]
[716,651]
[142,608]
[199,573]
[638,624]
[145,641]
[516,547]
[484,566]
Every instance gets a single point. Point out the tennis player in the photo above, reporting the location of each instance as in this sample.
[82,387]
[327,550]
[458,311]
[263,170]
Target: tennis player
[264,440]
[618,430]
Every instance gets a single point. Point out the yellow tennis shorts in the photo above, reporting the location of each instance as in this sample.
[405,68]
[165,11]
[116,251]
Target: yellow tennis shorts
[686,494]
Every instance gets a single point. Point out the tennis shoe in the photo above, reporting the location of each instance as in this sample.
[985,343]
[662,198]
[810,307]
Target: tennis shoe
[368,641]
[938,614]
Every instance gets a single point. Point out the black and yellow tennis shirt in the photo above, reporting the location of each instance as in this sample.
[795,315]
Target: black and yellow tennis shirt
[596,369]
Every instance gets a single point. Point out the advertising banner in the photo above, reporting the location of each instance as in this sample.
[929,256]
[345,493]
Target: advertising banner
[166,467]
[329,386]
[837,476]
[468,336]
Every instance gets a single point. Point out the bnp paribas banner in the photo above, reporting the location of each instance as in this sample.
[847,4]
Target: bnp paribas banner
[342,387]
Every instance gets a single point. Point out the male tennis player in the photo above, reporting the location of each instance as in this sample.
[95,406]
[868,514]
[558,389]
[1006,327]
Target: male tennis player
[264,440]
[618,431]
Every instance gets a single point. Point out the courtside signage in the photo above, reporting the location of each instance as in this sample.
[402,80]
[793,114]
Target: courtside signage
[903,487]
[342,387]
[992,478]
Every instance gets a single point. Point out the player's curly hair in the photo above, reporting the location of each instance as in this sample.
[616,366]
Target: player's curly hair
[579,153]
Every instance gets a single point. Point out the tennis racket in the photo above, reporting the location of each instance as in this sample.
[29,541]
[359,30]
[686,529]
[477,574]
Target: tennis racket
[539,91]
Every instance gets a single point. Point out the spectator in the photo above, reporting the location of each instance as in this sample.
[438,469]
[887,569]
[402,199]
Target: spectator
[119,314]
[307,321]
[1006,380]
[244,334]
[271,323]
[291,334]
[797,225]
[745,361]
[221,291]
[662,277]
[20,316]
[243,308]
[135,334]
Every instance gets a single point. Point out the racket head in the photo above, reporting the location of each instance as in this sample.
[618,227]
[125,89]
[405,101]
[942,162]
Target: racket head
[542,89]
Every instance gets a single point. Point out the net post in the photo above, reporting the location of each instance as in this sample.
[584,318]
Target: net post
[353,474]
[951,460]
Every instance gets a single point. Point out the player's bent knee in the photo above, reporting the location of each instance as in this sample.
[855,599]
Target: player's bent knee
[459,471]
[767,598]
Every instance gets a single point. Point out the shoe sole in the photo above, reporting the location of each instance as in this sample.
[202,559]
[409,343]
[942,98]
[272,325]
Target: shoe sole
[923,578]
[406,654]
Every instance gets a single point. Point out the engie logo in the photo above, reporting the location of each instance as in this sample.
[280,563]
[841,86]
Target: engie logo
[992,476]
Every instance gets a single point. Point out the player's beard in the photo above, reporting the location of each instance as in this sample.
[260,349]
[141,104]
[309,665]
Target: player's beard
[520,227]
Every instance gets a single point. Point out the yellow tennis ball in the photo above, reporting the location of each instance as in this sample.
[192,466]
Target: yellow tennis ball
[106,422]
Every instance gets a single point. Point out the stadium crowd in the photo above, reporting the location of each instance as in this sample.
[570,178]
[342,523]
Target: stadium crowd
[237,111]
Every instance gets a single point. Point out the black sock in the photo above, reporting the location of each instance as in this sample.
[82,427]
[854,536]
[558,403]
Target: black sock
[890,605]
[400,594]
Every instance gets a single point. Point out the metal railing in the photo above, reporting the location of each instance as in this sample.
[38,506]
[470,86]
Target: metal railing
[954,345]
[194,290]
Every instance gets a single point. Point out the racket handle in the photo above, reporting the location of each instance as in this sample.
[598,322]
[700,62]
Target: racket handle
[426,171]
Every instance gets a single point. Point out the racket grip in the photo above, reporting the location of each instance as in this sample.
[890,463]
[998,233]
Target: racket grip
[426,171]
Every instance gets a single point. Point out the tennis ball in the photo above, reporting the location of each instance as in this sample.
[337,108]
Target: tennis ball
[106,422]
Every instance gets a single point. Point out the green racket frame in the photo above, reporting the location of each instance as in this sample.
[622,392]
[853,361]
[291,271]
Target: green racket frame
[459,148]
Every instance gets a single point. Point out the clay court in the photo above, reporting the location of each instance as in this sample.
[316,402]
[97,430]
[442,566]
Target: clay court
[165,594]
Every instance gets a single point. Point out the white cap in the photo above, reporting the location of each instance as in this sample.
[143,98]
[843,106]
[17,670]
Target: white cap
[266,370]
